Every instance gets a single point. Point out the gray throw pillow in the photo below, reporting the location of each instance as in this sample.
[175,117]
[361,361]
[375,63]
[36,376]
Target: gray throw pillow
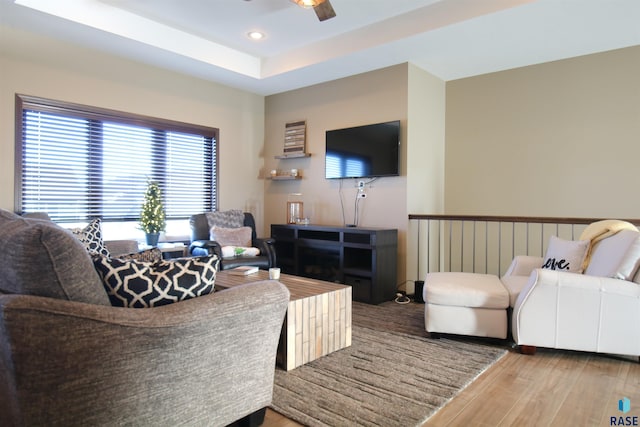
[41,258]
[240,236]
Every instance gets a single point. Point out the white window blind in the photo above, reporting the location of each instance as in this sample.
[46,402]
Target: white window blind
[77,162]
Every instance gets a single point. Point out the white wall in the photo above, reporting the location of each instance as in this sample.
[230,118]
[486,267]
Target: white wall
[41,67]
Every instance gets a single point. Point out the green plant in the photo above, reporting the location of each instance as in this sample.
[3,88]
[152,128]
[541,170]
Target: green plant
[152,215]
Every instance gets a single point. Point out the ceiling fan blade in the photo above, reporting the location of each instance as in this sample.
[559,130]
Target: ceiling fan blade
[325,11]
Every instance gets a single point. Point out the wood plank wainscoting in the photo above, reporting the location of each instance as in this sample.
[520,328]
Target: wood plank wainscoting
[484,244]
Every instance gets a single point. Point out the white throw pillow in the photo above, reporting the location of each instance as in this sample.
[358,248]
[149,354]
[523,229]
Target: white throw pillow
[608,253]
[565,255]
[630,263]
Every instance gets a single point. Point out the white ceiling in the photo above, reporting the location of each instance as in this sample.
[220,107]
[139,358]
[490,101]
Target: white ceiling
[451,39]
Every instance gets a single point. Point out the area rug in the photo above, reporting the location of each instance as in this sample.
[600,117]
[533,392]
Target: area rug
[392,375]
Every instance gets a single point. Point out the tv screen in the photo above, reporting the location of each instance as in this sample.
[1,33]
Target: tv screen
[363,151]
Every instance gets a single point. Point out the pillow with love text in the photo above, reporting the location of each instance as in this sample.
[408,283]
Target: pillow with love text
[565,255]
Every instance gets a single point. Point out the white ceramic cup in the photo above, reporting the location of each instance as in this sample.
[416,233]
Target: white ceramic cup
[274,273]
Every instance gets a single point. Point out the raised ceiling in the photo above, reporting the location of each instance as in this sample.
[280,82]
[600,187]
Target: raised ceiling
[451,39]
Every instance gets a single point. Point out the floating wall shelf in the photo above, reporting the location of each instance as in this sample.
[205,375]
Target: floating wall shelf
[292,156]
[284,178]
[284,175]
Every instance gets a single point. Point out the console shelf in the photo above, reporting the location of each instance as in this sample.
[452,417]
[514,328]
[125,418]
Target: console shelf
[364,258]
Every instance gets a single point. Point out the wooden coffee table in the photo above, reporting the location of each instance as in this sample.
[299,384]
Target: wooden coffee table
[318,319]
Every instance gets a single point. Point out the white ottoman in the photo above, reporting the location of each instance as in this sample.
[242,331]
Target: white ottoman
[465,304]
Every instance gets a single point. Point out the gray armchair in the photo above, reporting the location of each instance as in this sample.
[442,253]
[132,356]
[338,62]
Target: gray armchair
[69,358]
[204,361]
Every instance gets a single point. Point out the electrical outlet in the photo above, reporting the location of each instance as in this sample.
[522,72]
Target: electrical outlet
[360,185]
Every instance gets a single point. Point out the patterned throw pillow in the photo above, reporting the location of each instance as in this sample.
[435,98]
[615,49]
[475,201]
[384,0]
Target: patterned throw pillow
[565,255]
[148,255]
[240,236]
[136,284]
[91,238]
[233,218]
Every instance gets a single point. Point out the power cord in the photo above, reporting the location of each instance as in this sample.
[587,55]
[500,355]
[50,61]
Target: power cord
[355,211]
[344,221]
[402,298]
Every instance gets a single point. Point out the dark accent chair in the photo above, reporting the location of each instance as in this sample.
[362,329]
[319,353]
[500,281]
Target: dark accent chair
[201,245]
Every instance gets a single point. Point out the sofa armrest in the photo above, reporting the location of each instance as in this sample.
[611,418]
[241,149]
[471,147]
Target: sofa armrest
[573,311]
[267,247]
[205,248]
[209,360]
[263,241]
[121,247]
[523,265]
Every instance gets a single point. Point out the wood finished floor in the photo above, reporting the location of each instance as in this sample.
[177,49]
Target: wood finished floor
[552,388]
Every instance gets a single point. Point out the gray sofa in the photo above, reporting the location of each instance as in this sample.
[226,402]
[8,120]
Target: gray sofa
[69,358]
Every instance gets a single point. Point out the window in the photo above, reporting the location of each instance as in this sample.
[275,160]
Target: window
[77,162]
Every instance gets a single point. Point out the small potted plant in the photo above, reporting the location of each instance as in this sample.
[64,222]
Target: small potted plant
[152,215]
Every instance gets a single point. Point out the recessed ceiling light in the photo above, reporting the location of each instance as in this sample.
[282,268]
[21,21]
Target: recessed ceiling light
[307,4]
[255,35]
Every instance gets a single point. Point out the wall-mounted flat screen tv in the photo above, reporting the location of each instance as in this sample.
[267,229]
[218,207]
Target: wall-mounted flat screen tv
[363,151]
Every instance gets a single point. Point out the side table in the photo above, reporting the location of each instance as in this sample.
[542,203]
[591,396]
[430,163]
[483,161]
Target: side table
[318,320]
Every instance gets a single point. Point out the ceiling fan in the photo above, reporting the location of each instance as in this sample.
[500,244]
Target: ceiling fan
[323,8]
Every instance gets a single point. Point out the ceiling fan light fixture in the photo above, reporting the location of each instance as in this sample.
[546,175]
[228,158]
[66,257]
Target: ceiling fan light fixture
[308,4]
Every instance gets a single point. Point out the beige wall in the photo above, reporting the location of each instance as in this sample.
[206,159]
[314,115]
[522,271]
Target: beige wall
[426,133]
[367,98]
[40,67]
[425,158]
[556,139]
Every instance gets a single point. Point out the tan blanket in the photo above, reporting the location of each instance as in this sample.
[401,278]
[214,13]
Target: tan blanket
[599,230]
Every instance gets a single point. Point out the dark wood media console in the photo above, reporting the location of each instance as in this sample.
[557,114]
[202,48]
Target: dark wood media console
[364,258]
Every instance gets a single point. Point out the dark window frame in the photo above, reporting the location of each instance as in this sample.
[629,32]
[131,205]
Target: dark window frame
[96,116]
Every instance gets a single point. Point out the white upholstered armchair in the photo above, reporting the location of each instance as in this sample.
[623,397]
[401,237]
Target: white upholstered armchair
[597,310]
